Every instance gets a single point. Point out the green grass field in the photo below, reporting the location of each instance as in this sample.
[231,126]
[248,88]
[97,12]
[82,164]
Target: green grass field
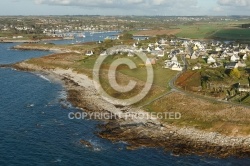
[161,76]
[200,31]
[210,30]
[235,34]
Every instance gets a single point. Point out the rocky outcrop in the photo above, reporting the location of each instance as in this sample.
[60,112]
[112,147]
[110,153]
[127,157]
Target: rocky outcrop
[175,141]
[38,48]
[86,143]
[45,48]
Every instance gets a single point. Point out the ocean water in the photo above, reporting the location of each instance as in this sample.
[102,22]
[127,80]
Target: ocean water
[35,129]
[8,55]
[89,37]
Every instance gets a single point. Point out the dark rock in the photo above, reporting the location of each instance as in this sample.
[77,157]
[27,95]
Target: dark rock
[86,143]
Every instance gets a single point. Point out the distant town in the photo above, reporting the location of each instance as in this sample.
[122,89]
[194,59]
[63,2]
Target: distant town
[36,27]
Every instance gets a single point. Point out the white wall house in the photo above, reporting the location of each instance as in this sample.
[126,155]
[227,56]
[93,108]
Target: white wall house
[161,54]
[173,65]
[210,60]
[234,58]
[89,53]
[245,57]
[104,53]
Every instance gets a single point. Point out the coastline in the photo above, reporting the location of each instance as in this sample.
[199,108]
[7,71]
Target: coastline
[45,48]
[27,40]
[144,132]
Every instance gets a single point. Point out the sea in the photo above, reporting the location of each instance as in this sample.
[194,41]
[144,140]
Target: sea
[35,128]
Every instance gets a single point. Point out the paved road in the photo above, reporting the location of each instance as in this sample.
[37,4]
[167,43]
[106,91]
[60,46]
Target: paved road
[179,90]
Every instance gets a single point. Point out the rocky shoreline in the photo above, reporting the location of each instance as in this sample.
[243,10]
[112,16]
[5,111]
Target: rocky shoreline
[45,48]
[143,132]
[18,41]
[27,40]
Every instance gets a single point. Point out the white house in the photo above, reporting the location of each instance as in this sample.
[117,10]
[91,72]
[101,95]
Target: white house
[150,45]
[231,65]
[243,51]
[148,49]
[247,49]
[223,56]
[173,65]
[244,88]
[215,65]
[89,53]
[163,42]
[235,58]
[140,50]
[236,51]
[236,45]
[195,55]
[174,59]
[104,53]
[176,67]
[210,60]
[197,67]
[241,64]
[157,49]
[161,54]
[218,49]
[230,53]
[245,57]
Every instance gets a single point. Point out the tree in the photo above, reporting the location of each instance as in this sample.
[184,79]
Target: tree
[235,73]
[127,36]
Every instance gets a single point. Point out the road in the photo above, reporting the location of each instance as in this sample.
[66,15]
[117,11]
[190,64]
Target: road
[179,90]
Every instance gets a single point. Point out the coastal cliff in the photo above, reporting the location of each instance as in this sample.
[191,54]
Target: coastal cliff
[143,132]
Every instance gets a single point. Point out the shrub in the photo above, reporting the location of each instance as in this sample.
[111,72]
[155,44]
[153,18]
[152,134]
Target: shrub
[235,73]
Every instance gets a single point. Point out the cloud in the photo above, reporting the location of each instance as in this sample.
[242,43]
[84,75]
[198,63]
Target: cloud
[129,7]
[234,3]
[217,9]
[121,3]
[90,3]
[231,7]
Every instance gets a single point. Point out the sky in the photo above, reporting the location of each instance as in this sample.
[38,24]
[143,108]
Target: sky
[126,7]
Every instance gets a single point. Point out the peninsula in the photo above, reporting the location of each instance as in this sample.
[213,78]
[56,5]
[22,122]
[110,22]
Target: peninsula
[212,122]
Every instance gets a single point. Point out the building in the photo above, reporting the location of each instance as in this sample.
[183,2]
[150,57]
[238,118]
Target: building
[235,58]
[210,60]
[231,65]
[89,53]
[244,88]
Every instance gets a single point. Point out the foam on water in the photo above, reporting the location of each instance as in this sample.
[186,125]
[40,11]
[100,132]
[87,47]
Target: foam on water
[43,77]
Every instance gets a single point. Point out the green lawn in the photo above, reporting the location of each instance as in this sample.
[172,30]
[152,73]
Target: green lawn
[200,31]
[234,34]
[161,76]
[223,30]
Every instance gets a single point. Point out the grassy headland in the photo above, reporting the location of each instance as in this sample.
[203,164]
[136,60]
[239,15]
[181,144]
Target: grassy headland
[198,113]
